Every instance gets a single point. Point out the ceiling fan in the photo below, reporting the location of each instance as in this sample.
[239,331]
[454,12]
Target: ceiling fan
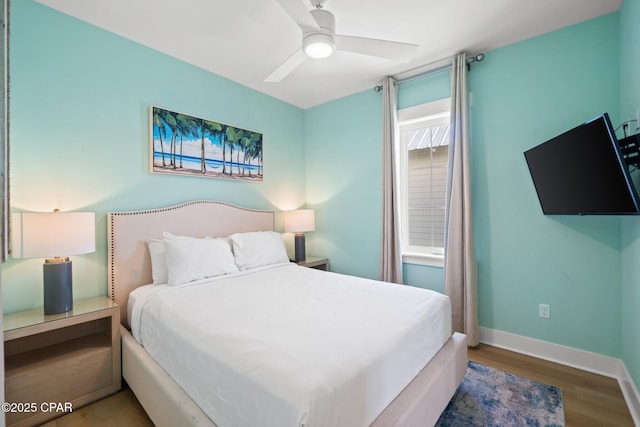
[319,39]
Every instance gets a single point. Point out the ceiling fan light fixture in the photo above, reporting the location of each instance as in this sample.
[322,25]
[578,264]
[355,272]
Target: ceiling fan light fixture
[318,45]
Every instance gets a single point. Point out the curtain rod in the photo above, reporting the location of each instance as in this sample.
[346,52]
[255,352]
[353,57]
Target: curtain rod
[476,58]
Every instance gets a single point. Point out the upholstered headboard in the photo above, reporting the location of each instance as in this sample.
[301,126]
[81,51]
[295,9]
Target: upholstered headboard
[129,263]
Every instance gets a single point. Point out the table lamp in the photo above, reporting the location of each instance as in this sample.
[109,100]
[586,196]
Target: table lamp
[299,221]
[54,236]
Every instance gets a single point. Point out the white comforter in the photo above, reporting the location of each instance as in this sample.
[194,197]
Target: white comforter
[290,346]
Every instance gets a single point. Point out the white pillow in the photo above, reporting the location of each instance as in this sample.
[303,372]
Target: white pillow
[190,259]
[158,262]
[258,248]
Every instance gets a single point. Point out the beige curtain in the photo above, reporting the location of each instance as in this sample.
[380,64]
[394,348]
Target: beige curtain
[460,269]
[390,258]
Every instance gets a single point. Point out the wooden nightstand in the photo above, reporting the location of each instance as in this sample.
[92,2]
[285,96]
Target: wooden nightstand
[315,262]
[60,362]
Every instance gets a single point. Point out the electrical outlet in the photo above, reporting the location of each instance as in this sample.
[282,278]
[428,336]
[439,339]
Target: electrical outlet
[544,311]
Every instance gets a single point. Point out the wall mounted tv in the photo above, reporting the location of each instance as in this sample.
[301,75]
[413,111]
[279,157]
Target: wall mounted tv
[582,172]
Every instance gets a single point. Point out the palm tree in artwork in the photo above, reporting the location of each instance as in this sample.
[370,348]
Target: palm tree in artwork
[207,126]
[219,132]
[159,123]
[223,142]
[250,150]
[233,136]
[258,153]
[239,146]
[230,133]
[244,145]
[170,120]
[186,126]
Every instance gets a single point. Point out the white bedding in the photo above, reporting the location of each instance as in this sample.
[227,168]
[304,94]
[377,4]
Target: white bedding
[290,346]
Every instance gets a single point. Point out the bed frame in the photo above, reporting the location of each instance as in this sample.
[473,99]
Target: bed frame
[419,404]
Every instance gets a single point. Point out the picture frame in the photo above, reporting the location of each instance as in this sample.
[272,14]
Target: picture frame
[187,145]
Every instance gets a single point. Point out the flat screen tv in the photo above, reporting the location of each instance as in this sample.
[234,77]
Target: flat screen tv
[582,172]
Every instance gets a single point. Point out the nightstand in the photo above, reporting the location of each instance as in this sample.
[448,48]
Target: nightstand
[315,262]
[56,363]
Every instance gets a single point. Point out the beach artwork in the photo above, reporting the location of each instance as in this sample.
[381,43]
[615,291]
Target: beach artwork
[188,145]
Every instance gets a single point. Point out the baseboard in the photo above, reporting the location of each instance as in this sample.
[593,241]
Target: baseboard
[580,359]
[630,392]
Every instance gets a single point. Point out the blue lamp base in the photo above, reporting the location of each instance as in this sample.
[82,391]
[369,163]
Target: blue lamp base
[299,244]
[58,291]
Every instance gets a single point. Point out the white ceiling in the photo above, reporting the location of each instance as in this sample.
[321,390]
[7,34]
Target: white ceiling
[245,40]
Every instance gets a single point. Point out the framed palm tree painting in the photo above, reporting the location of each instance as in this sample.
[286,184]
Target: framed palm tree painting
[187,145]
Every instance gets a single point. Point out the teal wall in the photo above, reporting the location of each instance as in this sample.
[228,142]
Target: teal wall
[423,276]
[79,130]
[629,102]
[343,182]
[426,89]
[80,100]
[522,95]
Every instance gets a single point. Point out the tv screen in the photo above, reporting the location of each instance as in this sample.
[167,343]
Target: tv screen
[582,172]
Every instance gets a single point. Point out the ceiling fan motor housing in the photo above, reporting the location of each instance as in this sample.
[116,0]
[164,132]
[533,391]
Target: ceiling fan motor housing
[320,43]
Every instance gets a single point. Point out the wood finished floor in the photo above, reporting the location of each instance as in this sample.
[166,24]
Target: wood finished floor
[589,399]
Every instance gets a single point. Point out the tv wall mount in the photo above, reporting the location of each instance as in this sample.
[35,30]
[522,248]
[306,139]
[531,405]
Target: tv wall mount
[630,149]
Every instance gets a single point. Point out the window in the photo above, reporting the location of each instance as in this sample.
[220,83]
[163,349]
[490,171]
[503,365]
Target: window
[423,163]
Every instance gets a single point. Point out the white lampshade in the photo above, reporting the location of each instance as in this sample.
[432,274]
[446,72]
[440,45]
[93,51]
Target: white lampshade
[299,221]
[53,234]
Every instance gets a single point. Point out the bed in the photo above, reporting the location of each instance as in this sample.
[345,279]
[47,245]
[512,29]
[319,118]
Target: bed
[378,389]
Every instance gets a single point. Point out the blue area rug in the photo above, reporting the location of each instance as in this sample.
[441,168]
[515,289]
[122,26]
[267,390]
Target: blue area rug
[491,397]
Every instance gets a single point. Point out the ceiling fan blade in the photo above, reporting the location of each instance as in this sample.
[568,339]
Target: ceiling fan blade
[300,14]
[287,66]
[396,51]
